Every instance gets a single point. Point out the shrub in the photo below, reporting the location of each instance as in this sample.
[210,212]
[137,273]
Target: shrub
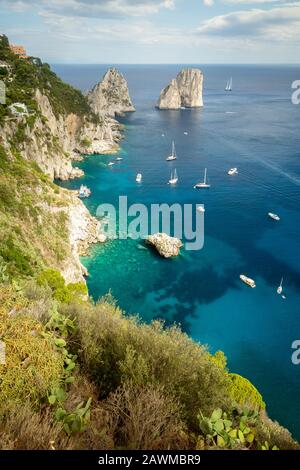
[276,435]
[25,429]
[243,392]
[145,418]
[114,349]
[61,291]
[32,364]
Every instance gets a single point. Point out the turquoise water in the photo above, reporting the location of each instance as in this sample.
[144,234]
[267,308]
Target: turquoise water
[255,128]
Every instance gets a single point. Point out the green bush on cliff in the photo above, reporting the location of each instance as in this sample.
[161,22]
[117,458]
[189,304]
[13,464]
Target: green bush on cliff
[32,365]
[152,382]
[62,292]
[115,348]
[243,392]
[31,74]
[32,235]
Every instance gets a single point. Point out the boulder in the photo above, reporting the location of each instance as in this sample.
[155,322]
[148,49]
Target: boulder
[167,246]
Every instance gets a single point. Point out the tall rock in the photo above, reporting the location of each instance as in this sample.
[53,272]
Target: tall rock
[110,97]
[185,91]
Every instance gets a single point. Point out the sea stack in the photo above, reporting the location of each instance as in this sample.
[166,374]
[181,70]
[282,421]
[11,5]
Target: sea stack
[167,247]
[183,92]
[110,97]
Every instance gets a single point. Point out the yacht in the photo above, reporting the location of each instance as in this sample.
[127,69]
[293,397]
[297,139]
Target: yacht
[280,288]
[186,133]
[138,178]
[203,184]
[233,171]
[111,164]
[119,159]
[201,208]
[173,156]
[84,192]
[228,86]
[174,177]
[273,216]
[247,281]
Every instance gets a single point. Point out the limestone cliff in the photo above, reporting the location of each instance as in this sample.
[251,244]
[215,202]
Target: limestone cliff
[54,228]
[53,142]
[184,91]
[110,97]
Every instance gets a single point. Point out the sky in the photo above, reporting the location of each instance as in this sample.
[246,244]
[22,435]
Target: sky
[155,31]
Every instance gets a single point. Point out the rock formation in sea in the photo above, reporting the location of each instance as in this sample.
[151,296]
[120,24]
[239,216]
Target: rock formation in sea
[110,97]
[167,246]
[184,91]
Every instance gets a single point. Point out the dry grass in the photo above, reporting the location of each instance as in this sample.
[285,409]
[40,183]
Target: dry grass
[24,429]
[144,418]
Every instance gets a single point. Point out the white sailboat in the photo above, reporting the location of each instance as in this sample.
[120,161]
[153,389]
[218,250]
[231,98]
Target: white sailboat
[138,178]
[173,155]
[174,177]
[280,288]
[203,184]
[229,85]
[232,171]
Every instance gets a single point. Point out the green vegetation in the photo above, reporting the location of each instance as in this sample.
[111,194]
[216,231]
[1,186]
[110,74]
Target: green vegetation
[61,291]
[31,74]
[244,393]
[90,377]
[31,236]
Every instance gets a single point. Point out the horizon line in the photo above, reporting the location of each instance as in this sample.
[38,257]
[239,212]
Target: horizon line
[177,63]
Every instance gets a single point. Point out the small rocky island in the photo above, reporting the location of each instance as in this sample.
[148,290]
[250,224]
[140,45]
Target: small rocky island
[110,97]
[183,92]
[167,246]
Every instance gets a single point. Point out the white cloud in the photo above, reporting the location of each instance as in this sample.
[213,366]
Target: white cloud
[93,8]
[277,23]
[248,2]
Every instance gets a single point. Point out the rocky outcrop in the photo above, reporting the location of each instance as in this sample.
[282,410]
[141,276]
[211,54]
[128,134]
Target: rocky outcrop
[167,246]
[110,97]
[184,91]
[53,142]
[83,231]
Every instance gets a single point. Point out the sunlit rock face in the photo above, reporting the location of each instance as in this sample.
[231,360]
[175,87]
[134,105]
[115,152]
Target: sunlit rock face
[183,92]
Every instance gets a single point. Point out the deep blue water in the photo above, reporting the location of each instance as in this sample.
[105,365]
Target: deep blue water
[256,128]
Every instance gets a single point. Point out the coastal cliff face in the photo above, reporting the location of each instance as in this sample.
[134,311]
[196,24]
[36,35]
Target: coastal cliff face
[54,228]
[53,142]
[184,91]
[110,97]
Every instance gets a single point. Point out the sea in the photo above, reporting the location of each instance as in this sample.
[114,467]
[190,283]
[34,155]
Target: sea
[255,128]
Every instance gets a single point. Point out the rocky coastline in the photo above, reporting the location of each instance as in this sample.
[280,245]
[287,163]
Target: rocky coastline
[54,141]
